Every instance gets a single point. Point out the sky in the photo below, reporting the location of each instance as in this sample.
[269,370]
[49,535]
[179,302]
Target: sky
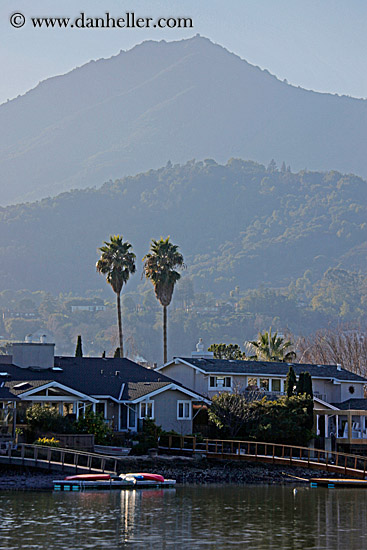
[316,44]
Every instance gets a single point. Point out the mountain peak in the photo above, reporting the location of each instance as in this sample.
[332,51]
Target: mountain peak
[163,100]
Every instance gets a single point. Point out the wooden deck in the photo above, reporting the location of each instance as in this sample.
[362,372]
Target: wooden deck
[269,453]
[60,460]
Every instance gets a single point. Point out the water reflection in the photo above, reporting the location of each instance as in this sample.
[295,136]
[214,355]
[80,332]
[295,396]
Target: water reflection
[186,518]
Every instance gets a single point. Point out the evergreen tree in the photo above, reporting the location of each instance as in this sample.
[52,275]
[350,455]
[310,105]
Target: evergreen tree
[79,349]
[308,384]
[117,353]
[283,168]
[290,382]
[300,390]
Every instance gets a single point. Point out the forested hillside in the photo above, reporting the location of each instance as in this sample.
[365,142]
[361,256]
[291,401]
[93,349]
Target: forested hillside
[240,224]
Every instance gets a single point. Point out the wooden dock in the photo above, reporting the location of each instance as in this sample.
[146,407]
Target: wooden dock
[270,453]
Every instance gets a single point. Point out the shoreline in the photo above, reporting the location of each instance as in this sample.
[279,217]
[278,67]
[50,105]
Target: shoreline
[185,470]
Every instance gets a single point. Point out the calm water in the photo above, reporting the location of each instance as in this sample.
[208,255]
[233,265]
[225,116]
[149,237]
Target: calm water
[187,518]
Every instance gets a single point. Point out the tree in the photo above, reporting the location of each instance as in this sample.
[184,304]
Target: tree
[308,384]
[271,347]
[290,382]
[230,412]
[159,268]
[300,388]
[345,345]
[79,349]
[117,262]
[226,351]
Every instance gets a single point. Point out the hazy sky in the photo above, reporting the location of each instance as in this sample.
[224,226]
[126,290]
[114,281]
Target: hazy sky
[316,44]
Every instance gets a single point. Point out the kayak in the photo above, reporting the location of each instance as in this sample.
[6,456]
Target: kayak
[146,476]
[89,477]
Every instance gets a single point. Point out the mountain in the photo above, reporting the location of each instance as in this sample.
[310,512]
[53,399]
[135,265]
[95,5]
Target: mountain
[169,101]
[236,224]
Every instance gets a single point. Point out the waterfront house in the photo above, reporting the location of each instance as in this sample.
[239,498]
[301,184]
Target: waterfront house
[123,391]
[340,406]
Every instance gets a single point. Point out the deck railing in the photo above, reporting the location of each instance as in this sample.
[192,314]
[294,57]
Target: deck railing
[275,453]
[52,457]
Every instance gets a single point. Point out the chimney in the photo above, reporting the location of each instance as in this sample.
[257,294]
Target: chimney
[200,353]
[28,339]
[338,366]
[28,354]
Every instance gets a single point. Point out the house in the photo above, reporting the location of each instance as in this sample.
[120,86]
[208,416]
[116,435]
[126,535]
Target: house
[335,389]
[123,391]
[7,415]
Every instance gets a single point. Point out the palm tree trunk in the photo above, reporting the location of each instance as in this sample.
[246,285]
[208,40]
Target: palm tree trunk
[120,324]
[164,334]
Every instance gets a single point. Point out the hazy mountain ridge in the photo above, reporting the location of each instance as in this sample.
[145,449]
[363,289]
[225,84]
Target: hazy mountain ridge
[237,224]
[175,100]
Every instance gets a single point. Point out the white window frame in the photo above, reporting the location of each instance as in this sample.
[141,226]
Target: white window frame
[216,387]
[183,403]
[141,417]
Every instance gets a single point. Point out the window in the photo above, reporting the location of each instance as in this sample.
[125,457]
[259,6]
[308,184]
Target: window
[220,382]
[146,409]
[101,408]
[131,417]
[183,410]
[264,384]
[275,384]
[252,382]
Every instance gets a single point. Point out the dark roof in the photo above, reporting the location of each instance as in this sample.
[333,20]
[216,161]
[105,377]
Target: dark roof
[17,387]
[6,395]
[271,368]
[92,376]
[134,390]
[353,404]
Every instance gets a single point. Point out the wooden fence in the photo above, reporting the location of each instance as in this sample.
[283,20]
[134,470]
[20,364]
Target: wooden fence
[62,459]
[288,455]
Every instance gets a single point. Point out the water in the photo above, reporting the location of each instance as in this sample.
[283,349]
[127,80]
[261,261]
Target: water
[190,517]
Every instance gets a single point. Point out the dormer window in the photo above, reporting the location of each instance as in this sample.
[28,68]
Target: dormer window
[220,382]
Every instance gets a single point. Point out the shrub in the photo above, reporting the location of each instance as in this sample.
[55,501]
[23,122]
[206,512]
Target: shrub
[287,420]
[45,419]
[93,423]
[147,438]
[47,442]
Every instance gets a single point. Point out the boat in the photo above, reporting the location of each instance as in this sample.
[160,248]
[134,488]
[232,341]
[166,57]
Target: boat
[146,476]
[83,482]
[332,482]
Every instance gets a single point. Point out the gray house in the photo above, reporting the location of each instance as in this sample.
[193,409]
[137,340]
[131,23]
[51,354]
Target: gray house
[123,391]
[340,405]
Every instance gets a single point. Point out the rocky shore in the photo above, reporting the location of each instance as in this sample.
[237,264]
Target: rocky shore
[184,470]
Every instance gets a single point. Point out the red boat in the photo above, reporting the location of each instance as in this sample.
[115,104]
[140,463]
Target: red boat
[89,477]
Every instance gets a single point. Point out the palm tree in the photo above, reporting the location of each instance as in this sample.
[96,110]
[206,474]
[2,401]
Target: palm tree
[271,347]
[117,262]
[159,267]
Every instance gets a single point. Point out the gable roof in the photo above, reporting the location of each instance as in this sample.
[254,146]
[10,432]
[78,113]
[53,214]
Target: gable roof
[268,368]
[120,379]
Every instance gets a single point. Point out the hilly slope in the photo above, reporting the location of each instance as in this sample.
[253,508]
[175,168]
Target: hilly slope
[169,101]
[236,224]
